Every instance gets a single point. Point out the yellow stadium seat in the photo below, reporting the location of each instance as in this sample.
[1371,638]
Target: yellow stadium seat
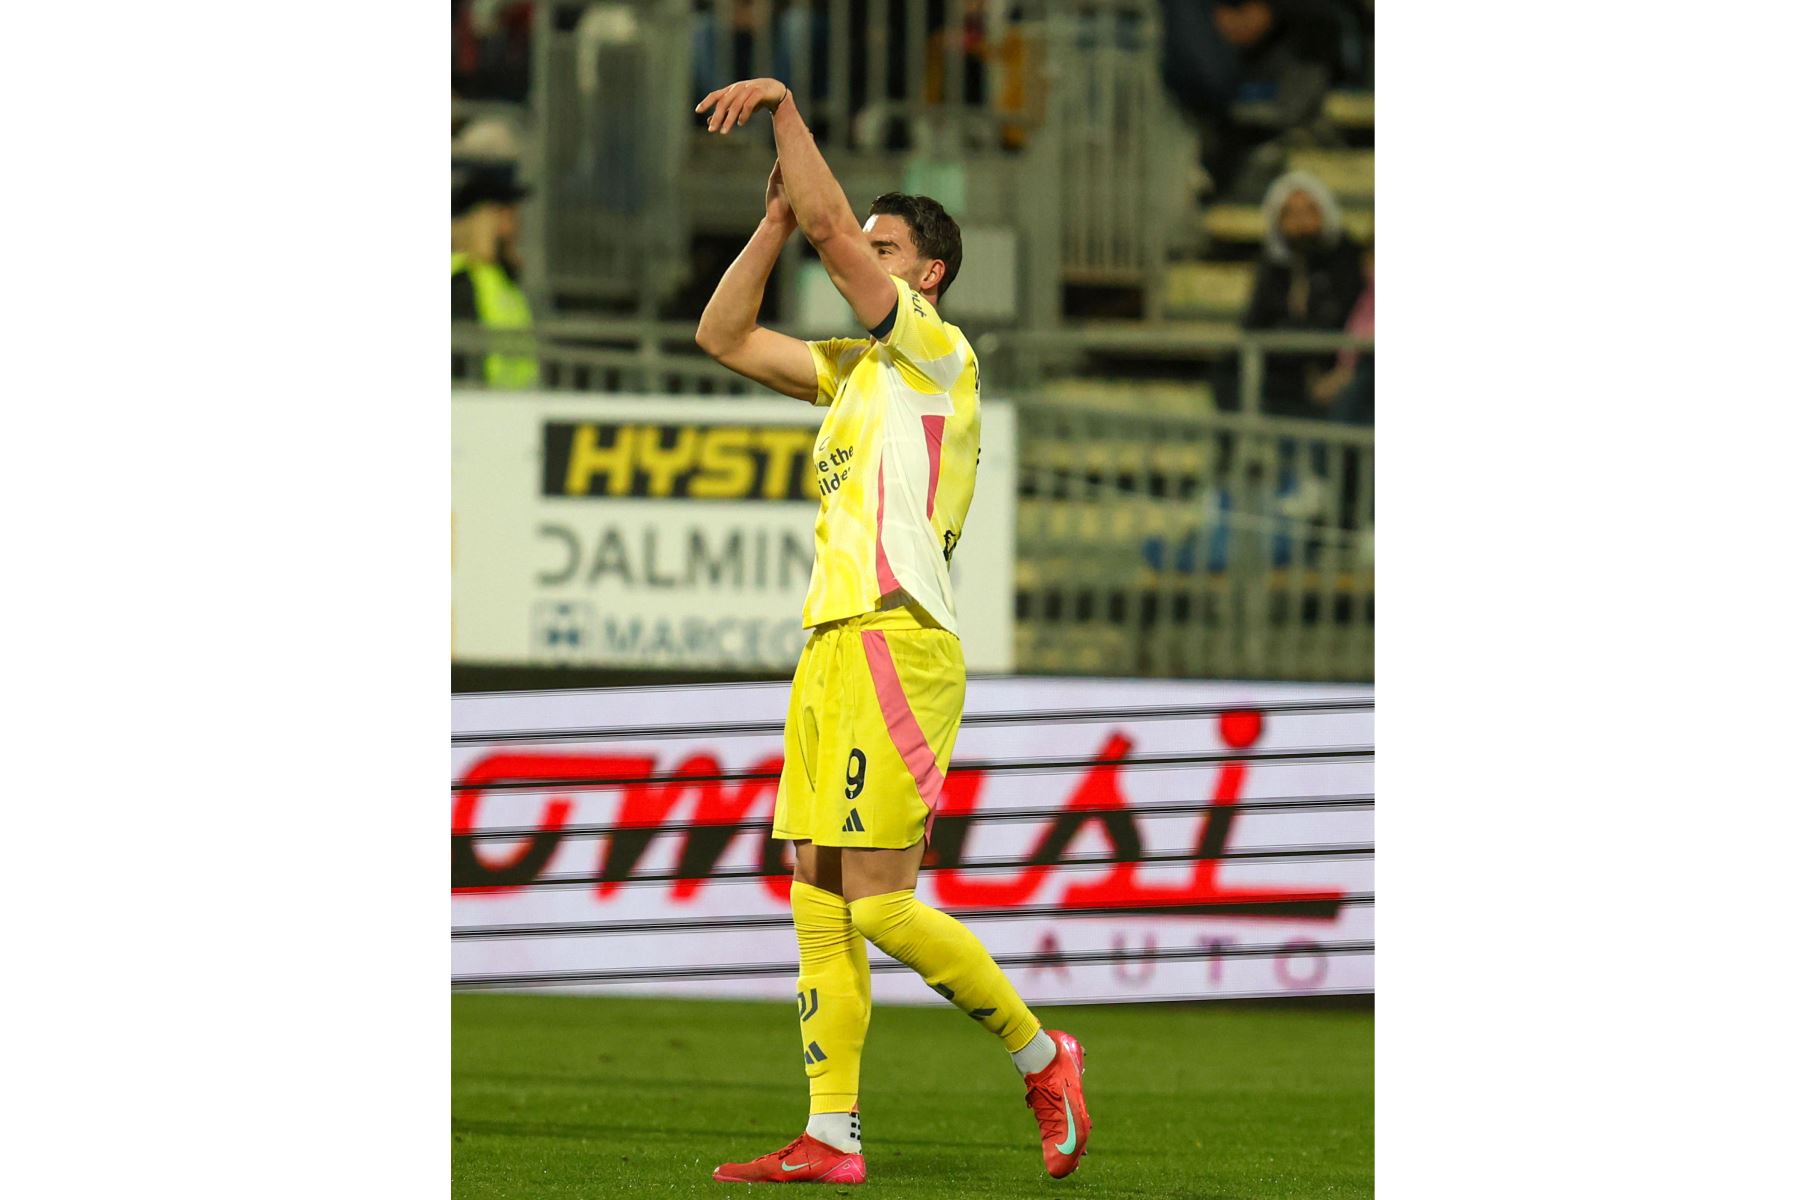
[1350,174]
[1241,223]
[1204,289]
[1351,110]
[1234,223]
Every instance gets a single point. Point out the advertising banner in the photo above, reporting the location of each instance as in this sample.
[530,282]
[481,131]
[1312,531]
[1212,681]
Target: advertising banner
[672,532]
[1106,839]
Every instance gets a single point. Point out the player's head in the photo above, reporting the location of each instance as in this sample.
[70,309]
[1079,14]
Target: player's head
[917,240]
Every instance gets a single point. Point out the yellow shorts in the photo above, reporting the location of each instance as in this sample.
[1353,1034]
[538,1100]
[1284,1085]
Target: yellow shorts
[871,721]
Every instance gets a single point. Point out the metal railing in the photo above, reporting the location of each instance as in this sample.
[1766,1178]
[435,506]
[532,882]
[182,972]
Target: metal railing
[1044,116]
[1024,361]
[607,81]
[881,72]
[1156,535]
[1221,546]
[1120,148]
[627,356]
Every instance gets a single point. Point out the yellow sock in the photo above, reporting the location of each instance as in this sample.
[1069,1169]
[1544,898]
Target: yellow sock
[950,958]
[834,996]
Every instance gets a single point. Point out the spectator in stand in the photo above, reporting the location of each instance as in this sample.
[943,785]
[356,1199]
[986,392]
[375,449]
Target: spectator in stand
[995,55]
[1347,391]
[1310,278]
[490,50]
[484,274]
[1218,54]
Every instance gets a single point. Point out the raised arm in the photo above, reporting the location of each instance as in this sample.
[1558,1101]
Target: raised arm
[820,206]
[728,331]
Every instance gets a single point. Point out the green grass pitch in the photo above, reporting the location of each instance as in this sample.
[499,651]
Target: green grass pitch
[576,1096]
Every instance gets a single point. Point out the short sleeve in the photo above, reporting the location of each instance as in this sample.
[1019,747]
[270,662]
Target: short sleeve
[919,341]
[829,359]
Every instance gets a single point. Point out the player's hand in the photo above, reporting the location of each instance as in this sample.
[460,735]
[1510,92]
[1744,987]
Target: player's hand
[775,199]
[732,106]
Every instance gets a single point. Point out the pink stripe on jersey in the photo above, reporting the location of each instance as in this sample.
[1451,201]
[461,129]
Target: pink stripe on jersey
[884,574]
[903,727]
[934,450]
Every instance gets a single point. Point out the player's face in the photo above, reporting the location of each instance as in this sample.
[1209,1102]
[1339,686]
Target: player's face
[892,241]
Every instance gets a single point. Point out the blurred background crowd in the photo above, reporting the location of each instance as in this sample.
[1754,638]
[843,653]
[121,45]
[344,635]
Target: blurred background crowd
[1168,214]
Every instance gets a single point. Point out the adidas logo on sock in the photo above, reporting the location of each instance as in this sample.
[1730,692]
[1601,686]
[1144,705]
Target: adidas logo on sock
[854,824]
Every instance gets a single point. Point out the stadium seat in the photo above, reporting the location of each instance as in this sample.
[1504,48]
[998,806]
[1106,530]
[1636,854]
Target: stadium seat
[1185,399]
[1177,459]
[1097,645]
[1205,289]
[1126,397]
[1351,110]
[1238,223]
[1350,174]
[1243,224]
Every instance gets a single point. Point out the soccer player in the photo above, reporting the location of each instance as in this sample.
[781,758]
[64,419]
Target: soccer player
[878,695]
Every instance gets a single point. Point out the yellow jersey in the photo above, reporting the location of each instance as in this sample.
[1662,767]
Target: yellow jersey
[894,463]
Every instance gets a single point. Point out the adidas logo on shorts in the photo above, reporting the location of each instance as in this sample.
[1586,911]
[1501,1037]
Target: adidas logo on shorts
[854,824]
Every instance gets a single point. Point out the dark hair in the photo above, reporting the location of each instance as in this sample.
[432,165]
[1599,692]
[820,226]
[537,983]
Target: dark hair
[934,231]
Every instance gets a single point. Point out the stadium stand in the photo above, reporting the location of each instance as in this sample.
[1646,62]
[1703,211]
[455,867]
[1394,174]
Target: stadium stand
[1167,523]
